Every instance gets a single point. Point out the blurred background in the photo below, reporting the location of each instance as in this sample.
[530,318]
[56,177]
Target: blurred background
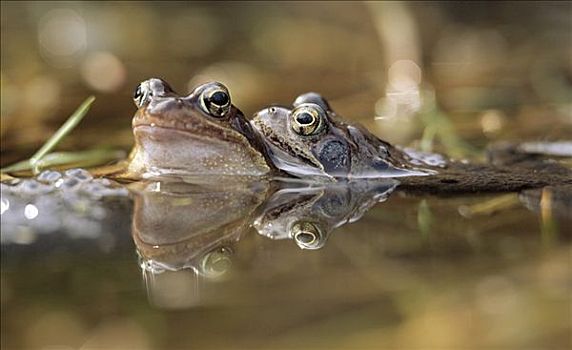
[413,273]
[494,70]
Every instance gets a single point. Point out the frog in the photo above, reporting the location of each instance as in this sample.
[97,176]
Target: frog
[309,140]
[202,134]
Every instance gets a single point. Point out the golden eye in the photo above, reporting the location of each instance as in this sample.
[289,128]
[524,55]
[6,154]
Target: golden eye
[307,235]
[215,100]
[307,119]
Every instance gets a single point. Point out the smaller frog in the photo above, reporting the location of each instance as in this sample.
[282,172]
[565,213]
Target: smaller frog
[199,134]
[311,139]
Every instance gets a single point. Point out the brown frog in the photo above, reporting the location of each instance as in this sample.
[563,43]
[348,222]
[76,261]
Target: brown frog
[199,134]
[310,139]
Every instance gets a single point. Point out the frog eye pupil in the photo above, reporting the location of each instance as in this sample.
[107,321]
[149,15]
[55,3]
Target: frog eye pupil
[304,118]
[219,98]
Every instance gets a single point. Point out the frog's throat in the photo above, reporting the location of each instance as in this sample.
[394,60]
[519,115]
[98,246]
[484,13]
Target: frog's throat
[161,151]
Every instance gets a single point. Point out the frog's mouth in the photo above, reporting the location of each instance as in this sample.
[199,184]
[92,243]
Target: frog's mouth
[184,123]
[160,130]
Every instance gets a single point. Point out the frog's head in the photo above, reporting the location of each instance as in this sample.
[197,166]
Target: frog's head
[303,140]
[201,133]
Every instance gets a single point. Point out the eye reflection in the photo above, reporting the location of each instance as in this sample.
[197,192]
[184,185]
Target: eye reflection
[217,263]
[307,235]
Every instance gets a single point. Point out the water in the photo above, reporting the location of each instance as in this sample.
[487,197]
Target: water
[176,265]
[86,264]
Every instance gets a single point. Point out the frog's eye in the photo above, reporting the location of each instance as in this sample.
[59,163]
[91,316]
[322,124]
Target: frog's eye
[307,235]
[307,119]
[215,101]
[141,94]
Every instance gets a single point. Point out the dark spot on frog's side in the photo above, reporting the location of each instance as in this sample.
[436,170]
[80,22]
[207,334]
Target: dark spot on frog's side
[334,156]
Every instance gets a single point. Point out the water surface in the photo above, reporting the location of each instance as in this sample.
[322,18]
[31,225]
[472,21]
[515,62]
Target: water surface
[184,266]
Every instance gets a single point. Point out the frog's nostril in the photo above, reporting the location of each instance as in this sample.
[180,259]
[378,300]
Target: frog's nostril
[142,94]
[137,92]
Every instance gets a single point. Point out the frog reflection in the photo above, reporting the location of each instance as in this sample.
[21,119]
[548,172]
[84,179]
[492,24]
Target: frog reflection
[309,213]
[185,232]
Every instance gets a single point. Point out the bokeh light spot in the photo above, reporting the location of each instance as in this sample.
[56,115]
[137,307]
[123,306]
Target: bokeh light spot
[103,71]
[62,36]
[404,74]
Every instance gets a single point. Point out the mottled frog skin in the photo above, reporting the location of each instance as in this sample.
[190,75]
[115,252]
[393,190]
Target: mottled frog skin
[199,134]
[311,140]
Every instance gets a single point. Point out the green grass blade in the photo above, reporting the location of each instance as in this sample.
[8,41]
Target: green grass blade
[79,159]
[20,166]
[68,126]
